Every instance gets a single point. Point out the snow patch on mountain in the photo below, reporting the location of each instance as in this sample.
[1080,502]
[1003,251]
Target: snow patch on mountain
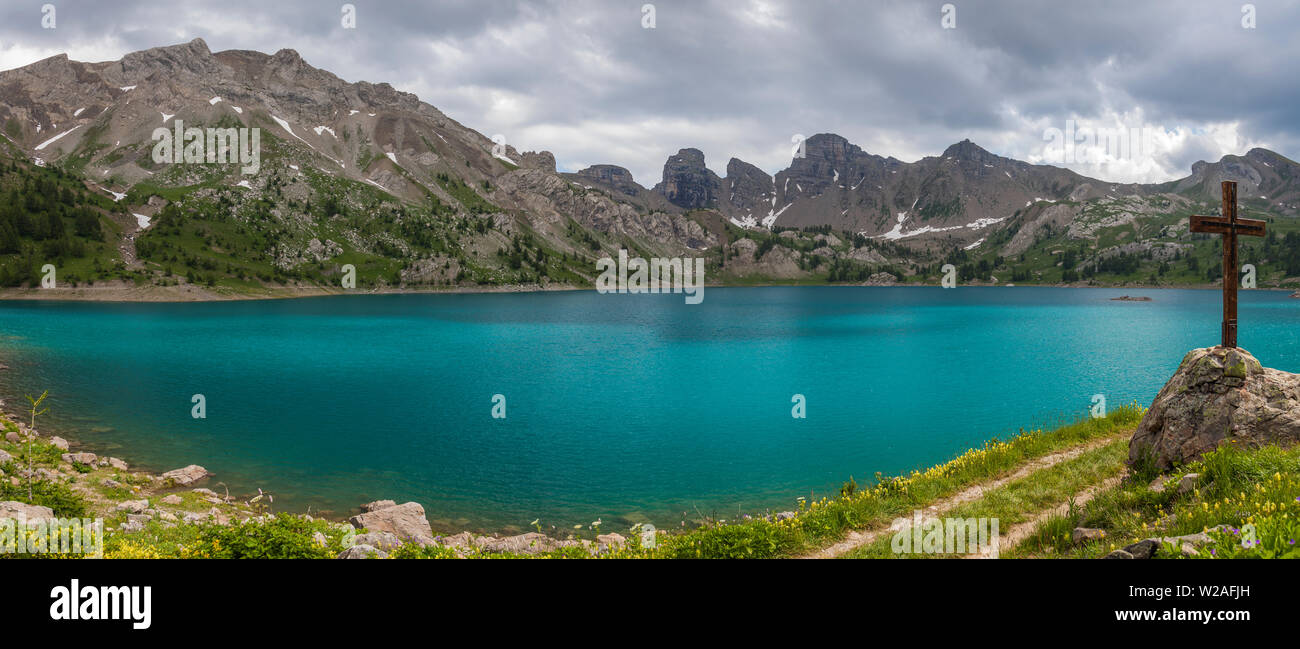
[56,138]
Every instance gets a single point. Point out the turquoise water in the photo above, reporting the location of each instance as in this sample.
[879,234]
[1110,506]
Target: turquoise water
[619,407]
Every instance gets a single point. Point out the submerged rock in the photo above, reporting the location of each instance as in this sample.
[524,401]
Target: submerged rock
[1218,394]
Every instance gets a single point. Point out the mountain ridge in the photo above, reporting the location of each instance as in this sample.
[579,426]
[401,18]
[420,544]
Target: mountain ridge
[505,216]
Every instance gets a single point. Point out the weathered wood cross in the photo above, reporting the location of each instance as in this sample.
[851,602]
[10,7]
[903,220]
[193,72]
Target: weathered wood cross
[1229,226]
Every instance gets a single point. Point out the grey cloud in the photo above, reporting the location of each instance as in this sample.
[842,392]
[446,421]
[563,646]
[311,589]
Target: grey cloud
[739,77]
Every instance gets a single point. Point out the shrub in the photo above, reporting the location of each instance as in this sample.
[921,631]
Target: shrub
[283,537]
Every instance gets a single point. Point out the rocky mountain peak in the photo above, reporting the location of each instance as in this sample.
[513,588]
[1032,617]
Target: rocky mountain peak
[687,182]
[193,57]
[687,157]
[615,176]
[967,150]
[829,147]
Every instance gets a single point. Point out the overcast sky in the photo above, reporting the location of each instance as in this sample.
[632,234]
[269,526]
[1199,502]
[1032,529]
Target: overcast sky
[588,81]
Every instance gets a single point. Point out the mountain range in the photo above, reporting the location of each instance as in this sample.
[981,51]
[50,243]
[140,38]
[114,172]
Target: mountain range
[363,174]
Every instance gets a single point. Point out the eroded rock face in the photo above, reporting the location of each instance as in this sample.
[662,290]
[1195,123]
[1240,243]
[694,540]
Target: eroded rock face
[1218,394]
[687,182]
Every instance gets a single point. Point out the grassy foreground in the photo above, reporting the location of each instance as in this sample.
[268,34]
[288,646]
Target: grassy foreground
[1246,503]
[199,524]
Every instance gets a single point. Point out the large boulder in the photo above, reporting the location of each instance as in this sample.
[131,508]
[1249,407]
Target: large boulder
[186,476]
[23,511]
[1218,394]
[407,521]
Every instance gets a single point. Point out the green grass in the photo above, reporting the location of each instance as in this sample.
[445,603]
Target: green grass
[465,195]
[1020,500]
[822,522]
[1236,487]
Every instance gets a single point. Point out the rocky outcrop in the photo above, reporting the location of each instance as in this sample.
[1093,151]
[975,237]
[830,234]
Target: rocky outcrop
[615,177]
[750,190]
[1218,394]
[687,182]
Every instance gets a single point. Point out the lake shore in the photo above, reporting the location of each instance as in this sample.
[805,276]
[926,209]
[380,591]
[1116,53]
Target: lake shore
[129,292]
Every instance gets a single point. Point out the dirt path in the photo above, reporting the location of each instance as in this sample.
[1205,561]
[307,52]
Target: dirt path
[859,538]
[1022,531]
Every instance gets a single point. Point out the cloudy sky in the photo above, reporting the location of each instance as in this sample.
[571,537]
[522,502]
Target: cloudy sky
[590,81]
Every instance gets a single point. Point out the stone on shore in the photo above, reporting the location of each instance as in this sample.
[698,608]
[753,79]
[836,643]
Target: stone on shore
[186,476]
[61,443]
[5,457]
[12,437]
[113,462]
[1218,394]
[87,459]
[407,521]
[612,541]
[133,506]
[363,552]
[529,543]
[171,499]
[15,509]
[386,541]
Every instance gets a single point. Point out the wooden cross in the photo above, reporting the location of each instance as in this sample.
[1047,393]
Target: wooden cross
[1229,226]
